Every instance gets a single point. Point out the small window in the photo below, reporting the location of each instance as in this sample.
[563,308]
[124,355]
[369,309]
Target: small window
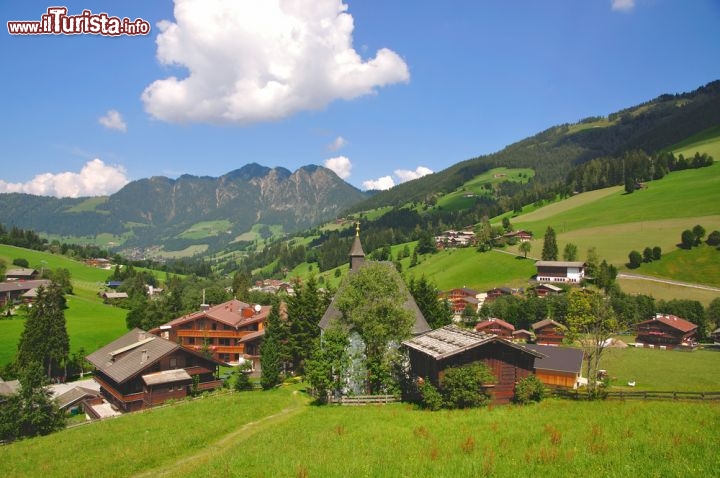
[173,364]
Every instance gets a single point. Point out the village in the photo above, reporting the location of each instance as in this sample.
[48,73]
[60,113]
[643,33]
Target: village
[193,353]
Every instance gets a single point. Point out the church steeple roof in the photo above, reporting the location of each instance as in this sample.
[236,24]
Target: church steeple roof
[357,255]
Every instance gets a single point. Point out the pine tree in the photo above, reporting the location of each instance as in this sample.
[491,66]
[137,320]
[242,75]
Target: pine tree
[437,313]
[304,310]
[270,361]
[32,411]
[45,339]
[550,247]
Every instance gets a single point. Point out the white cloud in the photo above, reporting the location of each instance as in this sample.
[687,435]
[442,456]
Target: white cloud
[407,175]
[337,144]
[385,182]
[113,120]
[250,61]
[401,176]
[623,5]
[340,165]
[94,179]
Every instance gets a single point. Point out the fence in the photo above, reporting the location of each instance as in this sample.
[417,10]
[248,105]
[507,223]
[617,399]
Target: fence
[364,399]
[641,395]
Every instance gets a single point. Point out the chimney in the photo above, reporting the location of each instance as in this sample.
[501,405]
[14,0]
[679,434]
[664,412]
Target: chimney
[141,336]
[144,356]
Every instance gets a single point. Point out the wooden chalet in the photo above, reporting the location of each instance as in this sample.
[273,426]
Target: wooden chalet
[15,291]
[666,331]
[460,298]
[549,332]
[140,370]
[231,332]
[560,271]
[21,273]
[559,367]
[715,335]
[521,235]
[433,352]
[497,327]
[493,294]
[523,335]
[544,290]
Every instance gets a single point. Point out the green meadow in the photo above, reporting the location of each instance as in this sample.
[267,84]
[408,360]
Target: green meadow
[90,323]
[482,185]
[277,433]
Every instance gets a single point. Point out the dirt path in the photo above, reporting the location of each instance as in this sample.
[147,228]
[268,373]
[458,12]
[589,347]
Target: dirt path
[188,463]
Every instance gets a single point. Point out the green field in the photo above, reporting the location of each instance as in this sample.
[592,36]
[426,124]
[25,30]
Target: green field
[464,197]
[662,291]
[90,323]
[204,229]
[272,434]
[707,141]
[616,223]
[663,370]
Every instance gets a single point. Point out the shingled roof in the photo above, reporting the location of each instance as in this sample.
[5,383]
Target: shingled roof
[451,340]
[130,354]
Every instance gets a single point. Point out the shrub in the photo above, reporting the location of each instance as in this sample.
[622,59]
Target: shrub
[462,386]
[713,238]
[529,389]
[634,259]
[430,397]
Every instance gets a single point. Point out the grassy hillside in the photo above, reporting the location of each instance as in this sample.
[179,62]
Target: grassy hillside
[90,323]
[268,434]
[616,223]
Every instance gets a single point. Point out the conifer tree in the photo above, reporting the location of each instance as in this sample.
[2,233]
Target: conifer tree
[550,247]
[270,361]
[45,339]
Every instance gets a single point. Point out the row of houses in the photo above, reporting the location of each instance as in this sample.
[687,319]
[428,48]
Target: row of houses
[142,369]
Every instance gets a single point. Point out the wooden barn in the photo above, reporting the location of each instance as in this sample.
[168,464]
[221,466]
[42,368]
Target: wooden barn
[560,367]
[433,352]
[549,332]
[667,331]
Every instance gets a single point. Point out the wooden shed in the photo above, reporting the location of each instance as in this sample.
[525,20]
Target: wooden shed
[560,367]
[433,352]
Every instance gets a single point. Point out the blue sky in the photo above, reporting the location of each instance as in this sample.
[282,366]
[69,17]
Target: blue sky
[379,91]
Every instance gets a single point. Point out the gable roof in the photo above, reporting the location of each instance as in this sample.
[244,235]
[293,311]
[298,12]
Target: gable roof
[492,320]
[25,285]
[419,326]
[559,359]
[673,321]
[559,264]
[131,353]
[546,322]
[20,272]
[451,340]
[234,313]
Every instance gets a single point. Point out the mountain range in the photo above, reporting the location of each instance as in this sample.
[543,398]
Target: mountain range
[159,211]
[213,213]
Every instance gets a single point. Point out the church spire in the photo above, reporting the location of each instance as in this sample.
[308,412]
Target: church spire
[357,255]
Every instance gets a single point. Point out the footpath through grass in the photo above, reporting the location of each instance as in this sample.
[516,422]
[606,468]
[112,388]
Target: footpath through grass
[152,442]
[554,438]
[277,433]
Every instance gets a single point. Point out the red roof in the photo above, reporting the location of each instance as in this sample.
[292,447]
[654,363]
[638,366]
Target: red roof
[233,313]
[489,323]
[672,321]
